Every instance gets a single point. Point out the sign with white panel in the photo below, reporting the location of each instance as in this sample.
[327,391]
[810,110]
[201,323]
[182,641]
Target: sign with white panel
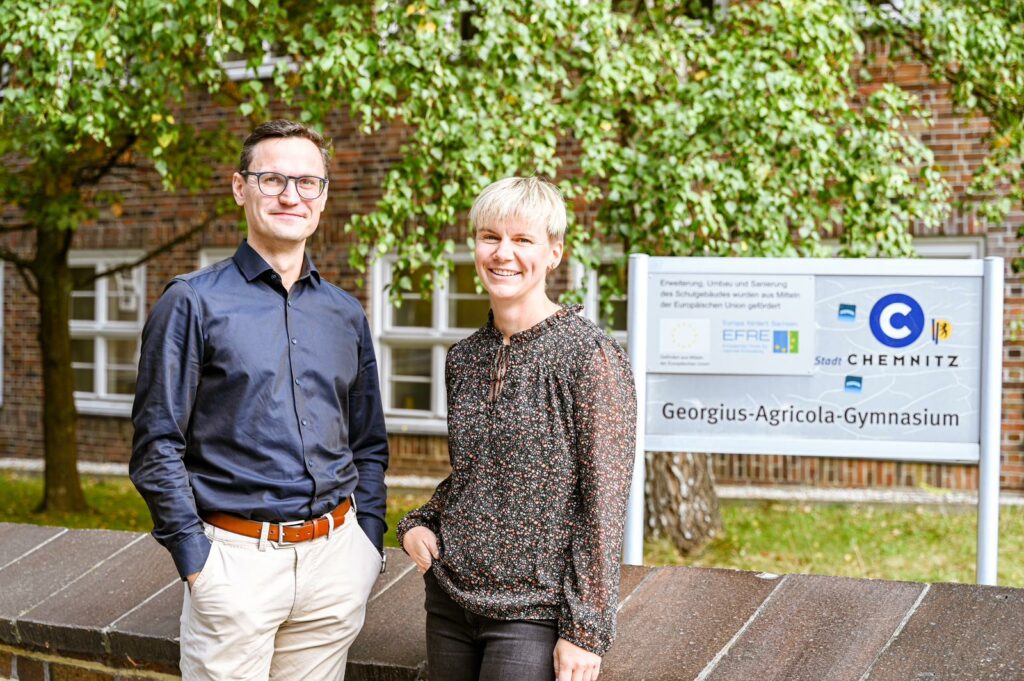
[878,359]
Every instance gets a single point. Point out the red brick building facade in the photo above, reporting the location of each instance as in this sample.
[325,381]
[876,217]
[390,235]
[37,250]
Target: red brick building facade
[110,317]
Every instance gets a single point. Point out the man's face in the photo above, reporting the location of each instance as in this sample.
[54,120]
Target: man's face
[286,219]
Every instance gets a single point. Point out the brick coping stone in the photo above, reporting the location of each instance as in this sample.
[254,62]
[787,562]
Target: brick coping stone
[96,605]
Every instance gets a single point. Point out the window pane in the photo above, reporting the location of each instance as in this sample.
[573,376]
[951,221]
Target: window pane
[618,320]
[77,272]
[123,301]
[468,313]
[464,279]
[412,313]
[84,382]
[409,395]
[410,362]
[83,306]
[121,381]
[122,351]
[83,350]
[608,275]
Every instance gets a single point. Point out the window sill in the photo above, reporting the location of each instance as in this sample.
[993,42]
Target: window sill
[411,425]
[97,407]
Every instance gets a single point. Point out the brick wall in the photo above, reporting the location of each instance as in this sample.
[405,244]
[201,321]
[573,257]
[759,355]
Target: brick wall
[360,163]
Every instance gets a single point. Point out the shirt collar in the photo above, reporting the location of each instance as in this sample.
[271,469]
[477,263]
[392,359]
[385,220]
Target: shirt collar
[253,266]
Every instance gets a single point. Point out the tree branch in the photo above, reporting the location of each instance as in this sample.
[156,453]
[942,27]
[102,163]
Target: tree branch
[27,275]
[17,260]
[11,229]
[159,250]
[84,177]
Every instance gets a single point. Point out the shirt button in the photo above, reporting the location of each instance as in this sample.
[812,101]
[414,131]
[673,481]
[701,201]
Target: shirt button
[289,303]
[304,422]
[294,341]
[296,381]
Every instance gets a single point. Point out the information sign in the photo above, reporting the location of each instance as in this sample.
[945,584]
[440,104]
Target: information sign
[880,359]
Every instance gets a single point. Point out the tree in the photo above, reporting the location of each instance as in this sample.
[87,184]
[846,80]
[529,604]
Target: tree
[682,129]
[676,128]
[692,133]
[90,94]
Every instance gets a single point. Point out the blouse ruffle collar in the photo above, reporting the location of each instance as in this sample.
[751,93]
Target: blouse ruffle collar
[538,329]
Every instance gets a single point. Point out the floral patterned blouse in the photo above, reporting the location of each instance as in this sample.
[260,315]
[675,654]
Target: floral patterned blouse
[541,438]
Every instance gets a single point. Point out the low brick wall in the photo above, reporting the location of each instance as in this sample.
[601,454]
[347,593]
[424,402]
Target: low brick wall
[92,605]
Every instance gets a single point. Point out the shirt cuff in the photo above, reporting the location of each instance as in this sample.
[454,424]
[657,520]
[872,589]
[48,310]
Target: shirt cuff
[373,528]
[190,554]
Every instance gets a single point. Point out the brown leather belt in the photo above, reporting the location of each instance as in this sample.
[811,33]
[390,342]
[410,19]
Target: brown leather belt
[282,533]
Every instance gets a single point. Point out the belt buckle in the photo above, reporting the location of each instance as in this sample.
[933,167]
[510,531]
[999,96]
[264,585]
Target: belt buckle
[281,542]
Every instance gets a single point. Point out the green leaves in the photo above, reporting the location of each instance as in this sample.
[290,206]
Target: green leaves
[673,131]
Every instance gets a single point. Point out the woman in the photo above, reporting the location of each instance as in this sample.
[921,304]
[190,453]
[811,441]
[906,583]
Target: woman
[520,545]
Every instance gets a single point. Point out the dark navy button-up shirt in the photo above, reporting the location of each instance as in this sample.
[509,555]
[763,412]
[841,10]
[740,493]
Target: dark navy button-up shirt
[258,402]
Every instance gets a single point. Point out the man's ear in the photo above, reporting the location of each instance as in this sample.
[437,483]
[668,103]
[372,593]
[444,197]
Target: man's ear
[238,188]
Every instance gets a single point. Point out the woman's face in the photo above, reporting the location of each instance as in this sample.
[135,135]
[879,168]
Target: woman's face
[513,259]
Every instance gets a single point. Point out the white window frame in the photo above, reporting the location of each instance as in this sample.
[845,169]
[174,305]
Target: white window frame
[936,246]
[238,69]
[101,403]
[970,247]
[592,297]
[438,336]
[210,256]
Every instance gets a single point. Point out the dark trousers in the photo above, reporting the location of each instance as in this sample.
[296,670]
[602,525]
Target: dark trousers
[464,646]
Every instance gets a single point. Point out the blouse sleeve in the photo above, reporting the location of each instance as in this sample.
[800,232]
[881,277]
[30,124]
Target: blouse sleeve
[604,398]
[428,515]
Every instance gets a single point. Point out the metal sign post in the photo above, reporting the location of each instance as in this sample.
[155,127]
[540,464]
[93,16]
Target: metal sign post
[633,544]
[856,358]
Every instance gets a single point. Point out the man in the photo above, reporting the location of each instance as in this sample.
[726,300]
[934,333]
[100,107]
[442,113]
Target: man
[259,436]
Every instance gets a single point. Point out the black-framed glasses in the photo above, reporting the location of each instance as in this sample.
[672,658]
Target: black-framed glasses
[275,184]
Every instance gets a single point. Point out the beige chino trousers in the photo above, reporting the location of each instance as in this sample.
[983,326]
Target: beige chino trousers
[263,611]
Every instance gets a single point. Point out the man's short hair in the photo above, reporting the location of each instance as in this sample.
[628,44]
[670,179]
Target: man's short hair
[530,199]
[281,128]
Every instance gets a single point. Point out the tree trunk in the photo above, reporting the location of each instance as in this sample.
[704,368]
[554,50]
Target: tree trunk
[681,500]
[62,489]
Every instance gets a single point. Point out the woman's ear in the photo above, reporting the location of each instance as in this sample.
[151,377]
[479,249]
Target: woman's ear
[556,254]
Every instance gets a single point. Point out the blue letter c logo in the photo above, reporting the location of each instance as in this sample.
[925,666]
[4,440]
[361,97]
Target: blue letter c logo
[897,320]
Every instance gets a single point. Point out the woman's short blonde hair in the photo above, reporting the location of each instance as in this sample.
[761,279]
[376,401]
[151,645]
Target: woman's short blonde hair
[530,199]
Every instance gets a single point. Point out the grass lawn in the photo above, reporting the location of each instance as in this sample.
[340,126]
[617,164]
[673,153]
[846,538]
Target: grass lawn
[917,543]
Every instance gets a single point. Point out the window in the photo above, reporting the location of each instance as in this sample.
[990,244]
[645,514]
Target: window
[210,256]
[236,66]
[106,326]
[414,338]
[950,247]
[608,271]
